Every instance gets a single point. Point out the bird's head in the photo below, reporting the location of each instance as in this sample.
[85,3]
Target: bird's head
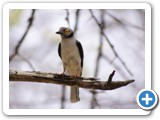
[65,32]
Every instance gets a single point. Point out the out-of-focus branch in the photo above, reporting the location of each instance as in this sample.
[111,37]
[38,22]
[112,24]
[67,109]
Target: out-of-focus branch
[125,23]
[110,44]
[41,77]
[114,65]
[30,22]
[100,45]
[67,17]
[63,97]
[77,20]
[27,61]
[94,101]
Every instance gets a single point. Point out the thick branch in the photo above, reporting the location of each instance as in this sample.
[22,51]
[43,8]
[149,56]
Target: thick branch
[89,83]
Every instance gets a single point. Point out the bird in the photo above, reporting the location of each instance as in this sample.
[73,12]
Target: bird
[71,53]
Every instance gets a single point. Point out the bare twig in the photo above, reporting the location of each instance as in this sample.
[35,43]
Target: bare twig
[30,22]
[110,44]
[110,77]
[89,83]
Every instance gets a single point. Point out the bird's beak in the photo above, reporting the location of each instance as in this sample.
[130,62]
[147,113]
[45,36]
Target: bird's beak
[58,32]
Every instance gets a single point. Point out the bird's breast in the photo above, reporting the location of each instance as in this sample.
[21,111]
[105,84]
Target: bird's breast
[70,54]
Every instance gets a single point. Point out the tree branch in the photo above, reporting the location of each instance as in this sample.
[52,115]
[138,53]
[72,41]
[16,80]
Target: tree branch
[89,83]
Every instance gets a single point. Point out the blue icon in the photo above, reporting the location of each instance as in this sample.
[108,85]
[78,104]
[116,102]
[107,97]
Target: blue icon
[147,99]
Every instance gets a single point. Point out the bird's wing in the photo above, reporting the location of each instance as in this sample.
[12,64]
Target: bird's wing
[59,50]
[80,48]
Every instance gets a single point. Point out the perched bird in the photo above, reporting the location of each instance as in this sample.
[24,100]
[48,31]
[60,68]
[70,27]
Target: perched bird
[71,53]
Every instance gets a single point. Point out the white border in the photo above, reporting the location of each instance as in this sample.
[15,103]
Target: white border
[8,6]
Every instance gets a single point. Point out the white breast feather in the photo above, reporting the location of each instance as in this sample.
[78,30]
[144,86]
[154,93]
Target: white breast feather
[71,57]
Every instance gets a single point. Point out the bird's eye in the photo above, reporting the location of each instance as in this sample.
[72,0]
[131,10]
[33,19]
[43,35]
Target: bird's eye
[67,31]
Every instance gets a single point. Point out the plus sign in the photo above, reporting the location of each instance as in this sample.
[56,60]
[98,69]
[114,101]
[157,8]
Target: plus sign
[147,99]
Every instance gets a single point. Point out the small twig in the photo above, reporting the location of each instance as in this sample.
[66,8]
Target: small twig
[30,22]
[110,77]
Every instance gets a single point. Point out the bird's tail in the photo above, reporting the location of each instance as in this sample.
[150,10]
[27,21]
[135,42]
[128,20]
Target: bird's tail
[74,96]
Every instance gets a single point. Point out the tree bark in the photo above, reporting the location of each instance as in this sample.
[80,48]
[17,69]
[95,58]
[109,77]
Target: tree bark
[89,83]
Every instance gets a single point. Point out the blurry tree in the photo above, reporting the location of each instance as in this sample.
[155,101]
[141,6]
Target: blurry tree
[111,39]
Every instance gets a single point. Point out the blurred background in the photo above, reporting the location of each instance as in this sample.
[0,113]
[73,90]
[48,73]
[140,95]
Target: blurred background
[112,39]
